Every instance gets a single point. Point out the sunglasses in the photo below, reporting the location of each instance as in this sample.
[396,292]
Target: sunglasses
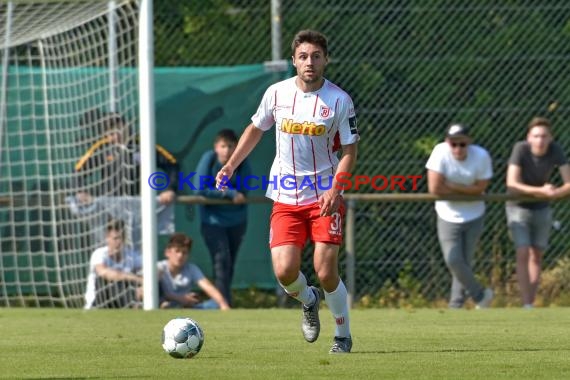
[455,145]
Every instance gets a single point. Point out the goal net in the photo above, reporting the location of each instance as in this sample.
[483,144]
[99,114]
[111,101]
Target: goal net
[68,82]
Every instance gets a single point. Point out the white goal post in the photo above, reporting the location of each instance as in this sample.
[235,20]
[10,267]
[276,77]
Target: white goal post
[73,73]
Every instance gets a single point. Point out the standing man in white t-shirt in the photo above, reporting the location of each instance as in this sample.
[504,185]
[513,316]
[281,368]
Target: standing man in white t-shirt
[457,166]
[313,119]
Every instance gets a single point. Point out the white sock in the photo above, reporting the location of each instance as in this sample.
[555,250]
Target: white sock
[338,304]
[299,290]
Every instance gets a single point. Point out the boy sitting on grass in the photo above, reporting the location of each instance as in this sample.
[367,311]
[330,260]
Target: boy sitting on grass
[178,277]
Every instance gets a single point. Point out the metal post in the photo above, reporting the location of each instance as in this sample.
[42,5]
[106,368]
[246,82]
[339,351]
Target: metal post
[5,61]
[275,30]
[50,169]
[350,251]
[276,64]
[148,152]
[112,53]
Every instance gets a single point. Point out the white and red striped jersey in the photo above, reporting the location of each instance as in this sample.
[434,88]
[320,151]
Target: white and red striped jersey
[310,128]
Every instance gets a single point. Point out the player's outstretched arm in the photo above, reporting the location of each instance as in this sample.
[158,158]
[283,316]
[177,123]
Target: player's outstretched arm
[347,162]
[248,140]
[329,201]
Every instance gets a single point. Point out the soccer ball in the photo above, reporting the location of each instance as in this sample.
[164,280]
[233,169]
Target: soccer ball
[182,338]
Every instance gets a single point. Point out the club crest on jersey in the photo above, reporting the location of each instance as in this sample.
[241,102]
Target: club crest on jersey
[304,128]
[325,111]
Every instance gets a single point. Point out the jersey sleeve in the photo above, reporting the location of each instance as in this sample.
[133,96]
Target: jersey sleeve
[195,273]
[347,128]
[263,118]
[97,257]
[168,163]
[84,169]
[516,154]
[435,161]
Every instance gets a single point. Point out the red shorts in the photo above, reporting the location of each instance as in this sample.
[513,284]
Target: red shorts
[293,225]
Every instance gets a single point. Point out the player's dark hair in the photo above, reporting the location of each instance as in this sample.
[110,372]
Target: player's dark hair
[116,225]
[312,37]
[539,121]
[227,135]
[179,240]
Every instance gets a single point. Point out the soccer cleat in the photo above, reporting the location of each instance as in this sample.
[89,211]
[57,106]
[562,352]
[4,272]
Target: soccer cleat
[486,301]
[341,345]
[311,325]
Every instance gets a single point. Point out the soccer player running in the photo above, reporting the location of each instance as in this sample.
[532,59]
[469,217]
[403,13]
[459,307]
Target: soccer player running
[312,118]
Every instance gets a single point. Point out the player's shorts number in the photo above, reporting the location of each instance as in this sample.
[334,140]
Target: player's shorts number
[335,221]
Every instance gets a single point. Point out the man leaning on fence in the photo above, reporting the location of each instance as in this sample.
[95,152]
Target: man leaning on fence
[530,167]
[457,166]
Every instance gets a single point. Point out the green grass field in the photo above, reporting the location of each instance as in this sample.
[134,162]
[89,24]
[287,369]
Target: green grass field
[267,344]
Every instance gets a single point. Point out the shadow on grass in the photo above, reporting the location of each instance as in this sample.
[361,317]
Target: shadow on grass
[461,350]
[82,378]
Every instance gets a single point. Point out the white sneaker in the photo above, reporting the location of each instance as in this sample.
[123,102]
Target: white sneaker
[486,301]
[528,306]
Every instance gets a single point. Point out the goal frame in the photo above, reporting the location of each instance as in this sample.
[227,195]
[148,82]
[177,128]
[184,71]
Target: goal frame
[146,114]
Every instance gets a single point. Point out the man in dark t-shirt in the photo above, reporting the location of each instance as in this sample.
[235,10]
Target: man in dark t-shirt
[531,165]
